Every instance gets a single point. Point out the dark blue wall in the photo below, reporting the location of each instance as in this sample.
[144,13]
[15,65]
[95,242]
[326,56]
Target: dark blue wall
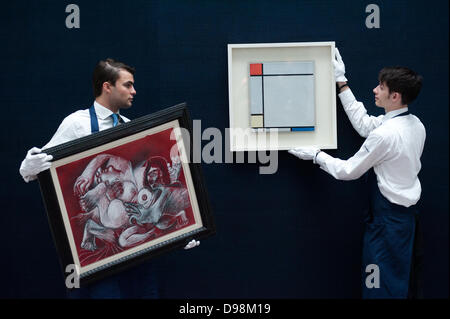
[294,234]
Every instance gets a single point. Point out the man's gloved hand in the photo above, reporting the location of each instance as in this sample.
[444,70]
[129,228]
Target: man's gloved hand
[339,67]
[305,153]
[193,243]
[34,163]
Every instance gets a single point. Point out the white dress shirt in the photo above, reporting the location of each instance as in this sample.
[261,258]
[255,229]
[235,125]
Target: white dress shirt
[393,148]
[78,124]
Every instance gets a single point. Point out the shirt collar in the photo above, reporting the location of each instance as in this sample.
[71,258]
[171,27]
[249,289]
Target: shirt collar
[391,114]
[102,112]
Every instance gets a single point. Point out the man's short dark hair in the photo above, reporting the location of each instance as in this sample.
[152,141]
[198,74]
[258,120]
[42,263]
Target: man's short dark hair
[107,71]
[402,80]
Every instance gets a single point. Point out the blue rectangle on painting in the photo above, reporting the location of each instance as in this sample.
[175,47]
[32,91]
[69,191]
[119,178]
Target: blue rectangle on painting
[310,128]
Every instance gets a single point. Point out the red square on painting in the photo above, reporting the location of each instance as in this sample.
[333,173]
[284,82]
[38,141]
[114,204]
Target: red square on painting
[256,69]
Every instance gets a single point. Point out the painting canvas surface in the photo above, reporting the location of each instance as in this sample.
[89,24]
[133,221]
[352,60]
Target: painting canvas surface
[282,96]
[127,196]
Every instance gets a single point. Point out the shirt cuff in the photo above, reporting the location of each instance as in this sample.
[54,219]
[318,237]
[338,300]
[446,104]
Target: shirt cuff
[322,157]
[347,97]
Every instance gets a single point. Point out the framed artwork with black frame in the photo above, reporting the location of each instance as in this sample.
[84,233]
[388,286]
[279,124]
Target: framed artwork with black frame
[126,194]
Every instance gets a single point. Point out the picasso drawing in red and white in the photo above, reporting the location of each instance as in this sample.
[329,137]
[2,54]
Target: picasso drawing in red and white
[125,196]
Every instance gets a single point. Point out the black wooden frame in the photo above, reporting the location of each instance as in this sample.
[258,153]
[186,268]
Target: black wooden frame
[178,112]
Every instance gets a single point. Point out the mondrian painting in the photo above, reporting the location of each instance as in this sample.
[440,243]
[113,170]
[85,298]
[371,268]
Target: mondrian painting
[282,96]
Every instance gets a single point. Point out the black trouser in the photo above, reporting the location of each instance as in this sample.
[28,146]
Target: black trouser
[415,290]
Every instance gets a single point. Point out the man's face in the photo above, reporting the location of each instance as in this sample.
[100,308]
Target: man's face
[123,92]
[382,96]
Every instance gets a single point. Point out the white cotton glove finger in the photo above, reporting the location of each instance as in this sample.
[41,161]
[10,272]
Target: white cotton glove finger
[339,67]
[46,166]
[34,150]
[305,153]
[47,158]
[297,152]
[193,243]
[34,163]
[189,245]
[293,152]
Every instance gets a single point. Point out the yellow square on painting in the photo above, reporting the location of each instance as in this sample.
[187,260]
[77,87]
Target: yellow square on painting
[256,120]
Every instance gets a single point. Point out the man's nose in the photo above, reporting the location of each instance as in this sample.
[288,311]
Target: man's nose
[375,90]
[133,91]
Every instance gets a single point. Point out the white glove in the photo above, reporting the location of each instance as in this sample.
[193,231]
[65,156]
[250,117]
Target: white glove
[34,163]
[339,67]
[305,153]
[193,243]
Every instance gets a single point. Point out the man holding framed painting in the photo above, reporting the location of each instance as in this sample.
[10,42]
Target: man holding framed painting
[390,160]
[113,85]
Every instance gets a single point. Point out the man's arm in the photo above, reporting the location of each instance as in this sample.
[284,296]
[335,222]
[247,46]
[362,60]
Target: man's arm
[356,112]
[36,161]
[374,150]
[67,131]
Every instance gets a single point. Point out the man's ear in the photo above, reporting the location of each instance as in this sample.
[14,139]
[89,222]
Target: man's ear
[396,96]
[107,87]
